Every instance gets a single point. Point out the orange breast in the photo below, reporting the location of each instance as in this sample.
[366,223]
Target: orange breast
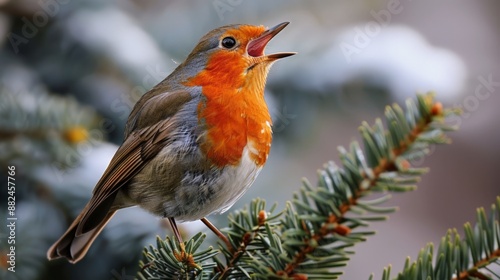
[234,111]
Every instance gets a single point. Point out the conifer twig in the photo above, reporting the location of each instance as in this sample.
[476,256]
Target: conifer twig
[459,258]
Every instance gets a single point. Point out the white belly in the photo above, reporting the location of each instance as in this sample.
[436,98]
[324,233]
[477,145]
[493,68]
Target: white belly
[224,191]
[239,180]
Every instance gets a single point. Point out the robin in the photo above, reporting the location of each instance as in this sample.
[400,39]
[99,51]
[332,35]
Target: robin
[193,144]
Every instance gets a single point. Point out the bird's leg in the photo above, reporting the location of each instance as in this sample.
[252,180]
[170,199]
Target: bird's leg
[218,233]
[176,232]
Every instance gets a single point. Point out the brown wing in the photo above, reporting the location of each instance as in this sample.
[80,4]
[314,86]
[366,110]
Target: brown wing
[157,104]
[150,130]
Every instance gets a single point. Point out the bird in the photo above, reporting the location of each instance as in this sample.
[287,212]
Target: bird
[193,144]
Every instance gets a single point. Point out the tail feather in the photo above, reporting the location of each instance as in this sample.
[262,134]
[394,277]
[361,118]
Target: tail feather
[73,246]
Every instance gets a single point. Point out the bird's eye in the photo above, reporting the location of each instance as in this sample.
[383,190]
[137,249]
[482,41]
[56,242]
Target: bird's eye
[228,42]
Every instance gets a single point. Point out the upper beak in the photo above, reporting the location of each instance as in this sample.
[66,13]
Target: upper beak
[256,46]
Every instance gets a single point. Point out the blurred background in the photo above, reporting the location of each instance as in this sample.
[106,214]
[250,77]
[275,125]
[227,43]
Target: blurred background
[71,70]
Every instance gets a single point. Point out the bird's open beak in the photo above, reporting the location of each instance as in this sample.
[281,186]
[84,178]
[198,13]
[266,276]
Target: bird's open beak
[256,46]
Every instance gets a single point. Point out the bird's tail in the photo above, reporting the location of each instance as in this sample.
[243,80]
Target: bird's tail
[73,246]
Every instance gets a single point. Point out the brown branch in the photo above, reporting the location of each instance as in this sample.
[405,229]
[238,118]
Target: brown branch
[248,237]
[332,224]
[474,272]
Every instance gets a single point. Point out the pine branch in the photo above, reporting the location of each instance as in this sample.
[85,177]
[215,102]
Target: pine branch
[319,220]
[245,232]
[171,262]
[38,128]
[309,239]
[459,258]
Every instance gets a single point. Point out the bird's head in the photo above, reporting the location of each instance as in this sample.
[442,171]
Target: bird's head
[234,54]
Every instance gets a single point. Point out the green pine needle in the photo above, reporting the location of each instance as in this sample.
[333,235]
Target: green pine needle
[471,257]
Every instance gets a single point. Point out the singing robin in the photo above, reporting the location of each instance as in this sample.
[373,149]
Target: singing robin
[193,144]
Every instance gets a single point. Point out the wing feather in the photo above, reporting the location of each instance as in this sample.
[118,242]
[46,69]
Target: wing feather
[145,141]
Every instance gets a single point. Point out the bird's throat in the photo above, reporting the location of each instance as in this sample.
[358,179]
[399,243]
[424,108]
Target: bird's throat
[233,112]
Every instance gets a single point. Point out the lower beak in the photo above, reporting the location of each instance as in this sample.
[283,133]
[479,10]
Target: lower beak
[256,46]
